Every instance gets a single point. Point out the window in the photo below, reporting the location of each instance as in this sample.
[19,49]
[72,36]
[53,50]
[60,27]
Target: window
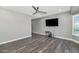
[75,25]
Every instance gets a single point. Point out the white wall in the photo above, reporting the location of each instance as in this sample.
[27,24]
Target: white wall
[63,30]
[13,25]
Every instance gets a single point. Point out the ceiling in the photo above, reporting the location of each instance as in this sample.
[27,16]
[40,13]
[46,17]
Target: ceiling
[29,10]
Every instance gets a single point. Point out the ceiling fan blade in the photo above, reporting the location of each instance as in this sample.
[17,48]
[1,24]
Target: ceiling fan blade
[42,12]
[34,8]
[34,13]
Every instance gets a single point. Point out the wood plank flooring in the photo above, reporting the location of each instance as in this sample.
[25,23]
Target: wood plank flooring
[40,44]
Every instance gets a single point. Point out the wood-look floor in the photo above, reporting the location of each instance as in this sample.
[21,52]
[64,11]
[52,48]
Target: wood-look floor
[40,44]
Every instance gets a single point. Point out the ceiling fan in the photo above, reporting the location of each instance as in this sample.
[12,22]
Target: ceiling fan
[37,10]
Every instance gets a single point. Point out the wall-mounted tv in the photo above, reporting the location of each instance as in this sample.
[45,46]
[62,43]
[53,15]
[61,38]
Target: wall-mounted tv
[52,22]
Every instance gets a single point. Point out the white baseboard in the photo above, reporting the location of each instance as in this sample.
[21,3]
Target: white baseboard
[15,39]
[67,39]
[62,38]
[40,34]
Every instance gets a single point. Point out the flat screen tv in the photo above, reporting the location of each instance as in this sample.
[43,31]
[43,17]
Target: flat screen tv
[52,22]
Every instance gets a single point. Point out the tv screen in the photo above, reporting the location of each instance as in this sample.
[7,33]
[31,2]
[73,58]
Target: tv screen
[52,22]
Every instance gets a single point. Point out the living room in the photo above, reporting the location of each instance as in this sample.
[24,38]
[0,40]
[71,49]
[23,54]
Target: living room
[24,29]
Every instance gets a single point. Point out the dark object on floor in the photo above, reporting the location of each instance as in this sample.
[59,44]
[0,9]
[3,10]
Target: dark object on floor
[48,33]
